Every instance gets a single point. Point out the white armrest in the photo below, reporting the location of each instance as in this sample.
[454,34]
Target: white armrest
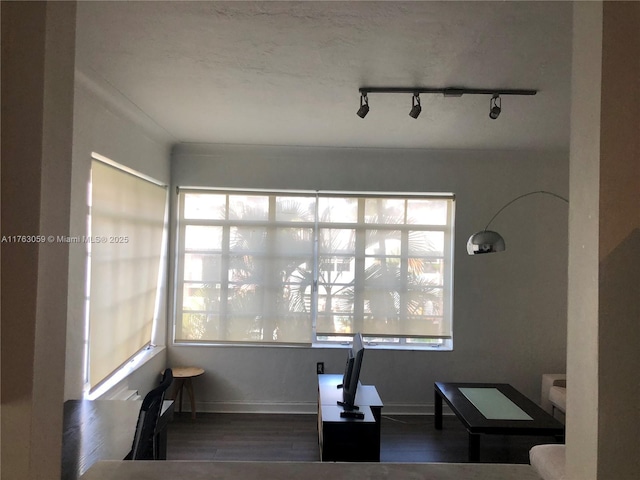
[549,380]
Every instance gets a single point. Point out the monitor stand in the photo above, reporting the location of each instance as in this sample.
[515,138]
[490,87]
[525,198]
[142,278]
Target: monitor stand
[352,414]
[347,407]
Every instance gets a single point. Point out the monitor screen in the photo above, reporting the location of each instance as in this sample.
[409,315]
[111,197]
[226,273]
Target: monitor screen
[348,368]
[352,373]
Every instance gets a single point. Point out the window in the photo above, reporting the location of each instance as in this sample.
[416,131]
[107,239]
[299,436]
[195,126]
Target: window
[285,267]
[125,247]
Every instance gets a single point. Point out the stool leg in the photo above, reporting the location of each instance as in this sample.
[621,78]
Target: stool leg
[177,392]
[189,386]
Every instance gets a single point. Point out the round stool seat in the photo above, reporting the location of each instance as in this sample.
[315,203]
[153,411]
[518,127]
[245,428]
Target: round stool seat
[182,377]
[187,372]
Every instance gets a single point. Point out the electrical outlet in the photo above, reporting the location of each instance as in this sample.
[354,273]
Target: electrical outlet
[320,367]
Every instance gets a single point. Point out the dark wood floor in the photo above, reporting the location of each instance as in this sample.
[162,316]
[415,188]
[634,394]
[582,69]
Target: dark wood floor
[275,437]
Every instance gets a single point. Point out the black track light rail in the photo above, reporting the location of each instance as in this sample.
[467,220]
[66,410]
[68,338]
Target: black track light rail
[447,92]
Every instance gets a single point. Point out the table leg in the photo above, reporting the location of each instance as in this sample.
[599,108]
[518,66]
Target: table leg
[438,410]
[474,447]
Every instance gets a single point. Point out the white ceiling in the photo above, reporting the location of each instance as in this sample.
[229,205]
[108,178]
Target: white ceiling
[288,73]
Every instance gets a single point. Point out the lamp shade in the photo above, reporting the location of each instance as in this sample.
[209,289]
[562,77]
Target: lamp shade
[485,241]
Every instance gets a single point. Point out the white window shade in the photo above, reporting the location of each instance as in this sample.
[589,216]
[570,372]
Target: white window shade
[127,227]
[296,268]
[245,263]
[395,275]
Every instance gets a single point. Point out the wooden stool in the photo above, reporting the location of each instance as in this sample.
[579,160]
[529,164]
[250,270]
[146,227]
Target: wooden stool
[182,377]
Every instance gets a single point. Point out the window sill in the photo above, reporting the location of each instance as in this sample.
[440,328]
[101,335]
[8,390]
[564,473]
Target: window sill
[123,372]
[316,345]
[382,346]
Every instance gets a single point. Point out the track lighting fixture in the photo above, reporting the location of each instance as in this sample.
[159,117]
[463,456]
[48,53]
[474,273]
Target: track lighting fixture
[415,106]
[495,107]
[364,106]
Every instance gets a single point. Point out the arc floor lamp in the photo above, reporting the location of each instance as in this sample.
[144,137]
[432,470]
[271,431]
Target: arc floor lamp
[488,241]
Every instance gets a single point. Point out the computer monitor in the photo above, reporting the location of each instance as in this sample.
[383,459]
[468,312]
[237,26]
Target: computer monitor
[352,373]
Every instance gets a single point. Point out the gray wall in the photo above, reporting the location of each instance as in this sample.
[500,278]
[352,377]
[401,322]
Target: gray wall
[510,309]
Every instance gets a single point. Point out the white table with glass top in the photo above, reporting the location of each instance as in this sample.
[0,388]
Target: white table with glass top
[493,408]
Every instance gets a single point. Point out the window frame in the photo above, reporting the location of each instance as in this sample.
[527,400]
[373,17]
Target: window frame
[404,342]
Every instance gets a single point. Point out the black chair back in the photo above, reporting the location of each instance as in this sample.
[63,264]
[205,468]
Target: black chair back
[144,442]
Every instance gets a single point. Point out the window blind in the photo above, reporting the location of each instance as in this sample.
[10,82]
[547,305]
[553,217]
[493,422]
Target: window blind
[125,248]
[294,268]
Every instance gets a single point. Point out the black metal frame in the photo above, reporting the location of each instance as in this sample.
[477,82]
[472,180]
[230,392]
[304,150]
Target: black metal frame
[541,422]
[448,91]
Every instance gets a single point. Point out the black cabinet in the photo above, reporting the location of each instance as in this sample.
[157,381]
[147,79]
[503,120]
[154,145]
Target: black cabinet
[348,439]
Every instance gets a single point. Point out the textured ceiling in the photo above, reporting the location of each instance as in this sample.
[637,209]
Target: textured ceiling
[288,73]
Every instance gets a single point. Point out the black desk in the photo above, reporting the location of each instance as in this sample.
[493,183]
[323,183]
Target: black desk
[538,422]
[348,439]
[103,430]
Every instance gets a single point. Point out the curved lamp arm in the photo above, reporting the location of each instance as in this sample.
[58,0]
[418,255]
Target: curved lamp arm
[487,241]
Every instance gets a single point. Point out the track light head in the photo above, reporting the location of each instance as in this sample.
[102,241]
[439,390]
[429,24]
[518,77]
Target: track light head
[495,107]
[364,106]
[415,106]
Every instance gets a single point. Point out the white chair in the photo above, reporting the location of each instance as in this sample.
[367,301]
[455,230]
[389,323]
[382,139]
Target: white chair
[554,393]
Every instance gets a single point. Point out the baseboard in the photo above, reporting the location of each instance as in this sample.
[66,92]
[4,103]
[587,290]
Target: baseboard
[301,408]
[254,407]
